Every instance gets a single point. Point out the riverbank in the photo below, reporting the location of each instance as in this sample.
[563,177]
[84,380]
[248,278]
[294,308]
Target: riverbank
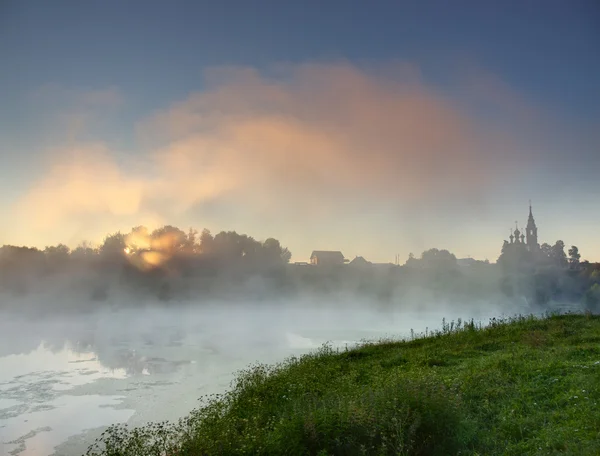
[518,386]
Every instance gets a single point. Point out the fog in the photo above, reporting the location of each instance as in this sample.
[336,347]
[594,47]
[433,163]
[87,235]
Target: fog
[64,377]
[95,337]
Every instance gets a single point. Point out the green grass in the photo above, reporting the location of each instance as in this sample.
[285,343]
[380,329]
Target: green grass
[518,386]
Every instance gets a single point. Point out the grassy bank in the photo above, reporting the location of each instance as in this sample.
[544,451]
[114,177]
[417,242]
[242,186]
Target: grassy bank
[518,386]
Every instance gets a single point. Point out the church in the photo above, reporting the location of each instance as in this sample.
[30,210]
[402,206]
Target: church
[529,239]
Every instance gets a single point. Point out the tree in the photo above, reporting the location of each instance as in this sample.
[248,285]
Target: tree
[207,242]
[274,252]
[574,256]
[438,259]
[138,240]
[84,251]
[557,254]
[114,245]
[58,254]
[412,262]
[169,239]
[546,251]
[191,244]
[515,258]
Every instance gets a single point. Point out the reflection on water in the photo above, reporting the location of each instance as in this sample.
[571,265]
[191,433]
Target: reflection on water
[38,410]
[63,379]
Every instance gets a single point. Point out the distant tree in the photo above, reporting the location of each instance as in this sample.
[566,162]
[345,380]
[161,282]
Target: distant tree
[84,251]
[412,262]
[515,258]
[114,245]
[169,239]
[57,256]
[546,251]
[191,243]
[138,239]
[21,260]
[438,259]
[574,256]
[227,246]
[558,255]
[207,242]
[21,256]
[274,252]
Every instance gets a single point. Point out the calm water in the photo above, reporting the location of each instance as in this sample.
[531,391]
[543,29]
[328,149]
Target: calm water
[63,380]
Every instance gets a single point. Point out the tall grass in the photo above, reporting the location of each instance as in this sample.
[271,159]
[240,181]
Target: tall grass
[517,386]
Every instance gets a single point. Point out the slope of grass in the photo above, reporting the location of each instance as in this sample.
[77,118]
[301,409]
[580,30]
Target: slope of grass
[518,386]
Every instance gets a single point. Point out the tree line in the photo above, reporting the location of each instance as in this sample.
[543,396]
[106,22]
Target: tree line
[171,264]
[140,259]
[152,249]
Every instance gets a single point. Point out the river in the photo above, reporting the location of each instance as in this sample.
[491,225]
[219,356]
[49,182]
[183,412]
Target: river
[64,378]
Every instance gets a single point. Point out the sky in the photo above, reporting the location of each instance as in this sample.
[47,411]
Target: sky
[375,128]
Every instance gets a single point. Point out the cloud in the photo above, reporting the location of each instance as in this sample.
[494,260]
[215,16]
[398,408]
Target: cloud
[83,180]
[321,132]
[307,139]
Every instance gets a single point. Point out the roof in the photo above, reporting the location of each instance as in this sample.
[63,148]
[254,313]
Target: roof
[332,255]
[359,261]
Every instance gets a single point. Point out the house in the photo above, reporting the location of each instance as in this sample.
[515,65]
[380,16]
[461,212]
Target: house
[327,258]
[360,262]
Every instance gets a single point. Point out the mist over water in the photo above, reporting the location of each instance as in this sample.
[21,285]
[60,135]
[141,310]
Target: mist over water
[64,378]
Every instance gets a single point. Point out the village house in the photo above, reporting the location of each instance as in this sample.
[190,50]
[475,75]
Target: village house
[327,258]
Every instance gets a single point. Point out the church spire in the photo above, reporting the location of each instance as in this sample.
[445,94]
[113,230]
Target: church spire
[531,231]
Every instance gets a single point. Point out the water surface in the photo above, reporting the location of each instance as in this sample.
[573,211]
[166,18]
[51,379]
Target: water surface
[64,379]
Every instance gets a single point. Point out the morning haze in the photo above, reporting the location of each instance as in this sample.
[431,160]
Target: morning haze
[190,188]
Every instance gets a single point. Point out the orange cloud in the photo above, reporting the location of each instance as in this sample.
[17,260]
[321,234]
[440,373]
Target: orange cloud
[328,130]
[311,134]
[83,180]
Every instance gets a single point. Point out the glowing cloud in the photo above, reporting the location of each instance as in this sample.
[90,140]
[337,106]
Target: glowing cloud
[311,136]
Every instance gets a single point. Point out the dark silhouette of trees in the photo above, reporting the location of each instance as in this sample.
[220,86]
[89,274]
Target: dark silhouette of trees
[170,240]
[114,246]
[169,263]
[548,275]
[546,250]
[165,262]
[558,255]
[274,253]
[57,256]
[433,259]
[207,243]
[574,256]
[84,251]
